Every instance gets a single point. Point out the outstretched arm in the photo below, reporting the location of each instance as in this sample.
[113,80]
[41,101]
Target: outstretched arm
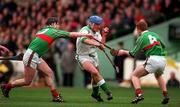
[131,53]
[93,42]
[77,34]
[119,52]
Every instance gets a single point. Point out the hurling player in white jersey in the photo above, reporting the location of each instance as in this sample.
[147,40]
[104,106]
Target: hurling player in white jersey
[88,57]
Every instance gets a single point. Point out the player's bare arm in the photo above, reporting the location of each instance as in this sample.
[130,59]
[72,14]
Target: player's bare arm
[77,34]
[94,43]
[119,52]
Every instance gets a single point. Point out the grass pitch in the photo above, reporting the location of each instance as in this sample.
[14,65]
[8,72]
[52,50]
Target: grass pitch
[80,97]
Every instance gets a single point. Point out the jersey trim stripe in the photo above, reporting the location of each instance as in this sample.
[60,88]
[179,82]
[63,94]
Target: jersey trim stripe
[46,38]
[30,59]
[151,45]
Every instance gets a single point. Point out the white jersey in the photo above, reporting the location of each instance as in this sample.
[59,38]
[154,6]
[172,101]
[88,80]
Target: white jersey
[85,49]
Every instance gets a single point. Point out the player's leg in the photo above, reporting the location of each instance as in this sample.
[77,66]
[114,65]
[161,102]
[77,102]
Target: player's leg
[104,87]
[163,87]
[160,65]
[136,75]
[29,60]
[95,87]
[87,65]
[95,94]
[28,77]
[43,66]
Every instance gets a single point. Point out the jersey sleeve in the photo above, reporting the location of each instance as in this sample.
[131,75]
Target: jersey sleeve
[137,47]
[84,31]
[61,33]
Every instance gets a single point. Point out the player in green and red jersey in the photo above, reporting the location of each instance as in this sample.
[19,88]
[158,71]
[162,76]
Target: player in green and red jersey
[155,62]
[32,58]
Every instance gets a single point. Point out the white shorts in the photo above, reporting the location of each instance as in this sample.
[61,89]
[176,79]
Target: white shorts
[155,64]
[93,58]
[31,59]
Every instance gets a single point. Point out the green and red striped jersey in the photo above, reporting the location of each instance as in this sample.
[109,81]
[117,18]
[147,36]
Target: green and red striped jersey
[44,39]
[150,43]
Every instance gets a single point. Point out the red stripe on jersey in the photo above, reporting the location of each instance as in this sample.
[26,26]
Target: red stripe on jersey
[46,38]
[151,45]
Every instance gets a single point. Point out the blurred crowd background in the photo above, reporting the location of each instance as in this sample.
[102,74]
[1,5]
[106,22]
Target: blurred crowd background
[20,19]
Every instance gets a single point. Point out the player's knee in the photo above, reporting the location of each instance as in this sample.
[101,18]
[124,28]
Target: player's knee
[28,82]
[133,76]
[95,73]
[50,74]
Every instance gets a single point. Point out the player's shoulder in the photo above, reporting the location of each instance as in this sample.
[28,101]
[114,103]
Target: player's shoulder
[42,30]
[85,28]
[154,34]
[147,33]
[47,28]
[151,33]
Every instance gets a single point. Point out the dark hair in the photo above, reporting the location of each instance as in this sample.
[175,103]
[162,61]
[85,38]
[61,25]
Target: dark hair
[142,25]
[52,20]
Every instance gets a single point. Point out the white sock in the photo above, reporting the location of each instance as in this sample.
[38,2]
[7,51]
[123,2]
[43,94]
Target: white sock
[101,82]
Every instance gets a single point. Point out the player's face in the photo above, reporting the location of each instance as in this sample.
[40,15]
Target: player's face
[56,25]
[96,27]
[139,32]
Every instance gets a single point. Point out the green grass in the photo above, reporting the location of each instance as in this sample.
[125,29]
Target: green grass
[79,97]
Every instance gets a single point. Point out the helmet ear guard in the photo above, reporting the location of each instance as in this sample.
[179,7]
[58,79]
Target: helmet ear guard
[95,19]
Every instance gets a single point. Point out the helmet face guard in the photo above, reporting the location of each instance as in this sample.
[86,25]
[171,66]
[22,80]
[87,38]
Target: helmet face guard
[95,19]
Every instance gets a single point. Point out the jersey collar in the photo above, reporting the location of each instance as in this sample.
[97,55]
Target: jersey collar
[48,27]
[144,32]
